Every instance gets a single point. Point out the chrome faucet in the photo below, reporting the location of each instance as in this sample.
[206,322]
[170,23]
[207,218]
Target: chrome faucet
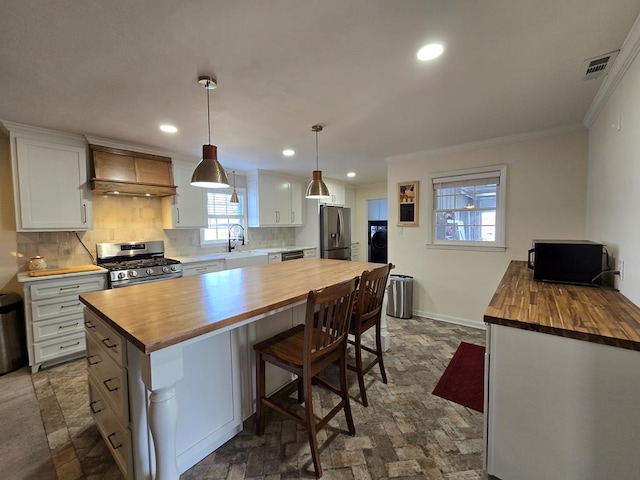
[239,236]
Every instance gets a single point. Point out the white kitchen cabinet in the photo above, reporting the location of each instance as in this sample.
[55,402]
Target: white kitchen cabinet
[336,192]
[309,252]
[274,200]
[50,180]
[53,314]
[275,257]
[186,209]
[297,203]
[200,268]
[354,252]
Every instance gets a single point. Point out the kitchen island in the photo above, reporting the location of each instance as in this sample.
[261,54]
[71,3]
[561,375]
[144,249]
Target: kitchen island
[181,350]
[561,381]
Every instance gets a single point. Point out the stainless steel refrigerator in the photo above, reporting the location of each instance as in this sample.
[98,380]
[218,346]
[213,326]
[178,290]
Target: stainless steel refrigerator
[335,232]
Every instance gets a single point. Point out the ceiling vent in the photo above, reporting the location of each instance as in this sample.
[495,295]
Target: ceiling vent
[598,66]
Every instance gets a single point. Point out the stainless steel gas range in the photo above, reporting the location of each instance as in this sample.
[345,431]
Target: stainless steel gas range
[133,263]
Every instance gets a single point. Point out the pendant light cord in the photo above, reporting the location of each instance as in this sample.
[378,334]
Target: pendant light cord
[208,110]
[317,165]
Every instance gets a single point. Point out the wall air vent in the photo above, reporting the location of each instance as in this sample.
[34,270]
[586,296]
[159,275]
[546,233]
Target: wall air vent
[597,66]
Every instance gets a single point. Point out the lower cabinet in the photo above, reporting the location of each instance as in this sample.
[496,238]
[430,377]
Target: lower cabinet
[309,252]
[53,315]
[108,389]
[200,268]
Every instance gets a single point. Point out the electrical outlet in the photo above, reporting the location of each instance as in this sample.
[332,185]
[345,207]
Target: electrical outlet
[399,230]
[621,270]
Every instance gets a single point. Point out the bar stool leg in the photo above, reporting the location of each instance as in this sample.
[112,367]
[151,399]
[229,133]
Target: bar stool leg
[311,426]
[379,353]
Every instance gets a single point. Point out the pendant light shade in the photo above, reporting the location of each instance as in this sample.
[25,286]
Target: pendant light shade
[317,188]
[234,195]
[209,173]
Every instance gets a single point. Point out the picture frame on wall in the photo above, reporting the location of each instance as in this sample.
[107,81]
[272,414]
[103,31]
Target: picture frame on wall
[408,204]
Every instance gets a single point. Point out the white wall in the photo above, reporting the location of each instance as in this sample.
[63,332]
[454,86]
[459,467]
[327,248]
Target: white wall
[360,219]
[546,198]
[614,179]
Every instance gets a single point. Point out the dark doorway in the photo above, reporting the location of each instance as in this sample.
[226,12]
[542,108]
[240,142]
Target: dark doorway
[377,241]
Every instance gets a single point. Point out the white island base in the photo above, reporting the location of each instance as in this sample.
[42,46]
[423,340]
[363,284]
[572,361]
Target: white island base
[195,395]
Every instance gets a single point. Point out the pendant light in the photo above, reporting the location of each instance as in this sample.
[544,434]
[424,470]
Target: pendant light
[234,195]
[317,188]
[209,173]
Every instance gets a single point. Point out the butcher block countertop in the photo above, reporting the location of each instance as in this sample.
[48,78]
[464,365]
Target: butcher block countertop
[584,313]
[161,314]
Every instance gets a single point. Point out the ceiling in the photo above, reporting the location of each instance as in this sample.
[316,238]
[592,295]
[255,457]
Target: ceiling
[117,69]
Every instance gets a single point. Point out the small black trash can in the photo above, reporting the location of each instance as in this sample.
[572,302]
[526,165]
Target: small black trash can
[400,296]
[13,343]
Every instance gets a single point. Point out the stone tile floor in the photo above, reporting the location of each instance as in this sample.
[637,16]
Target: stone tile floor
[405,433]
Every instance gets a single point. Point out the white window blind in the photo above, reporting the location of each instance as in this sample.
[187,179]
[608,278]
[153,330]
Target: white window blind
[468,208]
[221,214]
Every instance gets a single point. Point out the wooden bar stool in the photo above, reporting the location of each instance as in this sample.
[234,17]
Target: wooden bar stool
[367,313]
[307,350]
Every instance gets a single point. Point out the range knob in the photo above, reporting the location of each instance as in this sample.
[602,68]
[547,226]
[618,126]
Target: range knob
[133,273]
[149,271]
[121,275]
[165,269]
[174,268]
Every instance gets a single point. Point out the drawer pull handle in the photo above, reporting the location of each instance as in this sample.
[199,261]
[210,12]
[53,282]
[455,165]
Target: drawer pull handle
[200,269]
[90,362]
[72,287]
[75,305]
[108,344]
[93,409]
[70,325]
[71,345]
[88,324]
[106,384]
[115,447]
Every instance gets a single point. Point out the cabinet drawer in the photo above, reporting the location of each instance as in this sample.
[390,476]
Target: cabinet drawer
[67,286]
[202,268]
[55,307]
[110,378]
[57,327]
[115,435]
[113,343]
[52,349]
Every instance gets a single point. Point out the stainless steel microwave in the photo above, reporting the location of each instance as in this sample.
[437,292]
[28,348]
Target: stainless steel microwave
[567,261]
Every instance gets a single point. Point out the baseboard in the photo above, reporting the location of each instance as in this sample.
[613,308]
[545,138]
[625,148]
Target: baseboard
[446,318]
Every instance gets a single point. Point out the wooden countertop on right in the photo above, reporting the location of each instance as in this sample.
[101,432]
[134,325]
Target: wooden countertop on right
[591,314]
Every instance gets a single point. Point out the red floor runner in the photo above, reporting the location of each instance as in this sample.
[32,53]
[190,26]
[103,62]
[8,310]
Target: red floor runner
[463,379]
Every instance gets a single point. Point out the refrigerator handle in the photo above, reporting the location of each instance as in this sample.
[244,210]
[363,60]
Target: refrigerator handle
[340,223]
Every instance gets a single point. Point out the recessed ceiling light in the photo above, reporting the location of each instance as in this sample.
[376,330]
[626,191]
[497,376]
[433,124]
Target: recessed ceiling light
[351,174]
[288,152]
[168,128]
[429,52]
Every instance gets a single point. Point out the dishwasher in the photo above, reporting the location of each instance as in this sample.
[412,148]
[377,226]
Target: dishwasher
[292,255]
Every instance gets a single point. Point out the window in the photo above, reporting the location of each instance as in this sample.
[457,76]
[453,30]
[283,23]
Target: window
[468,209]
[221,214]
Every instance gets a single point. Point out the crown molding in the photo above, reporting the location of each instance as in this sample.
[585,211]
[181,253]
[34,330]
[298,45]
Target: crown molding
[628,53]
[463,147]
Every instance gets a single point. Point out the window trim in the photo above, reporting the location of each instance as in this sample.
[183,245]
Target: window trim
[501,191]
[242,193]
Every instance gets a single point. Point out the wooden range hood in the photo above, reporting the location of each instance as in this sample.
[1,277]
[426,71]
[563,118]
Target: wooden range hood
[130,173]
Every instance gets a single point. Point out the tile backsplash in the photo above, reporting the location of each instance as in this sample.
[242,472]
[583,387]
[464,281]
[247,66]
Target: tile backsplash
[123,219]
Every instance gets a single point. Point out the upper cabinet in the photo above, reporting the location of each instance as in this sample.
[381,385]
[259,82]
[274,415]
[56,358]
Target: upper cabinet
[115,170]
[274,200]
[187,209]
[50,180]
[336,192]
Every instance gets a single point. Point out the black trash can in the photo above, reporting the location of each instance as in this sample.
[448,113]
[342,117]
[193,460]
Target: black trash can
[400,296]
[13,343]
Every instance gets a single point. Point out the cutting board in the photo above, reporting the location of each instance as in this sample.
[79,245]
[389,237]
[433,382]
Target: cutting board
[62,271]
